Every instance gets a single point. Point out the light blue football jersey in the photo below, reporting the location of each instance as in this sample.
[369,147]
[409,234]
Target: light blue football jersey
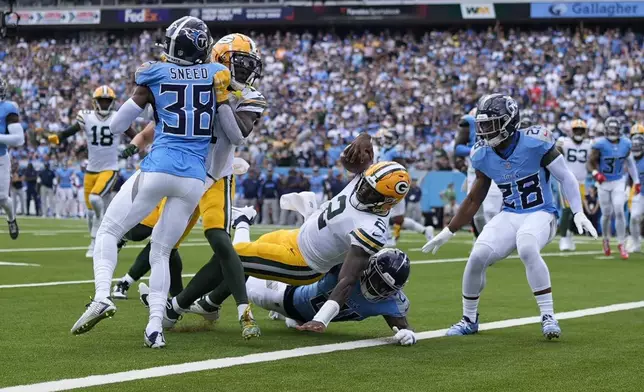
[612,157]
[81,177]
[389,154]
[525,184]
[6,108]
[65,177]
[184,112]
[640,170]
[303,302]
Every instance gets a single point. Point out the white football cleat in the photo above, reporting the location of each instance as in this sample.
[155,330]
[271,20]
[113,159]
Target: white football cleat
[120,290]
[244,214]
[167,322]
[95,312]
[197,308]
[90,250]
[566,244]
[154,340]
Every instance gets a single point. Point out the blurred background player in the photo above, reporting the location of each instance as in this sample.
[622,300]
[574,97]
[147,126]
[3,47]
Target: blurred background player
[637,206]
[521,161]
[576,150]
[11,134]
[102,151]
[610,155]
[64,191]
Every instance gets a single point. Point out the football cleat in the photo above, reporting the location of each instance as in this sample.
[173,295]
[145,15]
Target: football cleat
[566,243]
[120,290]
[249,327]
[633,246]
[464,327]
[13,229]
[90,250]
[622,252]
[199,307]
[550,327]
[244,214]
[606,245]
[95,312]
[154,340]
[170,318]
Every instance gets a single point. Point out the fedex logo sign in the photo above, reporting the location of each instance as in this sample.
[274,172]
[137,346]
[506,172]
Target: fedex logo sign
[144,15]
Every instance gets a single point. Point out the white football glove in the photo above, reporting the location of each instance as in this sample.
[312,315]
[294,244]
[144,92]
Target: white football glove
[583,224]
[439,240]
[404,337]
[240,166]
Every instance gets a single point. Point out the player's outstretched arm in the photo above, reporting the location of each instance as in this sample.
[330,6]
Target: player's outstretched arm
[16,134]
[403,334]
[465,213]
[355,263]
[55,137]
[556,165]
[130,110]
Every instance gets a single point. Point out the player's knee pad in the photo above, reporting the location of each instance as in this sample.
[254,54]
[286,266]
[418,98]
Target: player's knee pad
[110,227]
[159,253]
[527,248]
[481,257]
[97,202]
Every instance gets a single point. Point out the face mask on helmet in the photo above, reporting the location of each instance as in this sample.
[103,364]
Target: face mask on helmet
[245,69]
[637,147]
[612,130]
[578,134]
[370,199]
[385,276]
[103,105]
[492,129]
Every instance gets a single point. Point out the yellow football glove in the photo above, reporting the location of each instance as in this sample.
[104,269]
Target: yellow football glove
[221,80]
[53,139]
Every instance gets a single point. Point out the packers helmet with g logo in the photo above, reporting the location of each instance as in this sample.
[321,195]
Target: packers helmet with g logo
[240,55]
[382,186]
[103,100]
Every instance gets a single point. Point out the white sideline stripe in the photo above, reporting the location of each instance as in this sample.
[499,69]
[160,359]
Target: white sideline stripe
[434,261]
[19,264]
[61,249]
[67,282]
[211,364]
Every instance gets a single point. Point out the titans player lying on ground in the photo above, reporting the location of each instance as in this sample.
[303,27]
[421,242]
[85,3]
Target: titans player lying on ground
[520,162]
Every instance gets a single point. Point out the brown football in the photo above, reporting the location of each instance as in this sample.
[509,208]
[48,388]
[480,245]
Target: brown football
[354,167]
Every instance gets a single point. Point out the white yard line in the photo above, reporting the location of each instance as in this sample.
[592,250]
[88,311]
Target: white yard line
[12,264]
[66,248]
[420,262]
[211,364]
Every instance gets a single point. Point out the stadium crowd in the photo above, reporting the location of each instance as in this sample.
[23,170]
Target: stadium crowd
[323,89]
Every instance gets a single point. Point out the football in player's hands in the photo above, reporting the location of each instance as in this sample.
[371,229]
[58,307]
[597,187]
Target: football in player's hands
[358,155]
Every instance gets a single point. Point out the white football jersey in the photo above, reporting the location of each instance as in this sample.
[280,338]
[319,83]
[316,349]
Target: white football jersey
[222,152]
[576,155]
[102,145]
[327,235]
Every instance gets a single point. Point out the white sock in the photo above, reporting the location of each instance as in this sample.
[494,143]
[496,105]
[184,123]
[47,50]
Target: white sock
[128,279]
[241,309]
[7,205]
[410,224]
[242,233]
[470,308]
[105,258]
[546,304]
[159,283]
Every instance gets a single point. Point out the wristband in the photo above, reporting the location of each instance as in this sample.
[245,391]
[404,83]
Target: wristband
[327,312]
[594,173]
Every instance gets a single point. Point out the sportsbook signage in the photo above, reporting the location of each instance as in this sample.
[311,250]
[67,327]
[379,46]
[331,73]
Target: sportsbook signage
[241,14]
[84,17]
[144,15]
[366,13]
[587,10]
[478,11]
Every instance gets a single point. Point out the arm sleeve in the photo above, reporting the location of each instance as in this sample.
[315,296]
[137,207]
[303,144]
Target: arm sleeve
[462,150]
[569,183]
[370,243]
[229,125]
[632,169]
[15,137]
[125,117]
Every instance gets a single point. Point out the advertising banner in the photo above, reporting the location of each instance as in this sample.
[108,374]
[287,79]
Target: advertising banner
[367,13]
[587,10]
[242,14]
[144,15]
[84,17]
[478,11]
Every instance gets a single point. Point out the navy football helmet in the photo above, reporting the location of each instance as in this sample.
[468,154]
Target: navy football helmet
[387,273]
[187,42]
[497,118]
[612,128]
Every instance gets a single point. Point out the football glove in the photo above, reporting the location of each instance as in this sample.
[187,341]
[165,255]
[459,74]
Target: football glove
[438,241]
[221,81]
[129,150]
[583,223]
[53,139]
[599,177]
[404,337]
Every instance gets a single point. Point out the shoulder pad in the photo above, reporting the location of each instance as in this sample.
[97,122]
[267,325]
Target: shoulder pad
[599,142]
[145,66]
[540,133]
[143,70]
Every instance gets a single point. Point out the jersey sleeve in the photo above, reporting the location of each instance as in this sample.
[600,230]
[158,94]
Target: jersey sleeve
[397,306]
[12,108]
[146,74]
[477,153]
[370,242]
[80,118]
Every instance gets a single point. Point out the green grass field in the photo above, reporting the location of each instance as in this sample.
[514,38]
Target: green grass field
[596,353]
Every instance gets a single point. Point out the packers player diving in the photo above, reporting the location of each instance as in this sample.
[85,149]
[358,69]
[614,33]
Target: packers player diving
[239,108]
[102,151]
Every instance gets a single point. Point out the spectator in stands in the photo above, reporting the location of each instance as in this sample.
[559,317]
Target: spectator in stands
[268,198]
[46,177]
[334,185]
[31,179]
[413,202]
[250,189]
